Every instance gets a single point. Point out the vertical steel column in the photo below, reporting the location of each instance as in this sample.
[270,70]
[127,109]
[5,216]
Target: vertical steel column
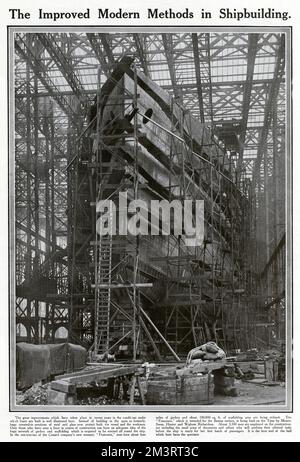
[136,310]
[51,165]
[28,269]
[276,220]
[36,260]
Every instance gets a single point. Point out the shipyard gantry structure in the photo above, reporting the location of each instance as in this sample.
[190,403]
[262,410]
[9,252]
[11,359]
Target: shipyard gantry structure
[167,116]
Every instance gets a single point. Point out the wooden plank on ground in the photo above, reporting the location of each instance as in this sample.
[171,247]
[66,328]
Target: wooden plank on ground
[64,386]
[103,375]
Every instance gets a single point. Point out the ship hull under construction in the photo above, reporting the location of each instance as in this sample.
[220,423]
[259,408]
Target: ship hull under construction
[159,294]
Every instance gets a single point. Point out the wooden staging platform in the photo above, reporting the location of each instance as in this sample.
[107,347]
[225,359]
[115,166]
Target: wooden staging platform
[63,389]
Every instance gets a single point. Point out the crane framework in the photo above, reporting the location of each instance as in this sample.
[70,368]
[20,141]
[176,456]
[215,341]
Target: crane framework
[232,82]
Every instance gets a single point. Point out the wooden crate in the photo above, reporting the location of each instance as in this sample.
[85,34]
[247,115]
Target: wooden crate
[182,390]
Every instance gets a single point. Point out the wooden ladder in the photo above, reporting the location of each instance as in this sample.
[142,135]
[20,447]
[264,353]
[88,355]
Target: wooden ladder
[103,293]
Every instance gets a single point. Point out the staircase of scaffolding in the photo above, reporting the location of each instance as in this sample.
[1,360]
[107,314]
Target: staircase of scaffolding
[106,245]
[103,270]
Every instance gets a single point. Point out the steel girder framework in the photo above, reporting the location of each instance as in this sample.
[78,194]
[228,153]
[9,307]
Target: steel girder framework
[216,76]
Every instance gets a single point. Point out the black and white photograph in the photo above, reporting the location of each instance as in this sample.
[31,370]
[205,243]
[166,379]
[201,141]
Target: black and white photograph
[150,218]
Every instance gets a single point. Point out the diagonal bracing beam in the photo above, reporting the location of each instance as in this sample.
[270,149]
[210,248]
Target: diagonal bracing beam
[25,52]
[62,63]
[210,93]
[198,76]
[167,42]
[271,101]
[141,54]
[94,42]
[107,49]
[252,51]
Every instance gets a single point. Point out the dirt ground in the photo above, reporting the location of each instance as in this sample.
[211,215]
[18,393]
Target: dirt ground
[250,393]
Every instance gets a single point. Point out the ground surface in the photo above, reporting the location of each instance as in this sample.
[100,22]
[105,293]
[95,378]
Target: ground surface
[250,393]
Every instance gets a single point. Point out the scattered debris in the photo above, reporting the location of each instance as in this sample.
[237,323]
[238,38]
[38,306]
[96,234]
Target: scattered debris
[249,375]
[37,394]
[248,355]
[100,401]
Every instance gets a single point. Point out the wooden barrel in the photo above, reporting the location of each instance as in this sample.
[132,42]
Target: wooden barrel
[180,390]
